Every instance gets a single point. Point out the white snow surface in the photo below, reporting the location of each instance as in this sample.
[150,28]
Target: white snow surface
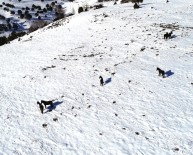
[135,113]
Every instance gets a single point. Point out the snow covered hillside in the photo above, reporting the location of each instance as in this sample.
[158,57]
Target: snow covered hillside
[24,15]
[136,112]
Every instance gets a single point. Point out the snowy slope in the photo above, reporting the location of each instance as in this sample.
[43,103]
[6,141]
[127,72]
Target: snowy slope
[136,112]
[45,14]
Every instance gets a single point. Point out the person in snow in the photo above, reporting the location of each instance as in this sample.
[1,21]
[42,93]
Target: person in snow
[101,81]
[41,107]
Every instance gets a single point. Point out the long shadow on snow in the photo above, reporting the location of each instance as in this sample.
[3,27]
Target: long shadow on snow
[146,3]
[108,80]
[55,104]
[169,73]
[173,36]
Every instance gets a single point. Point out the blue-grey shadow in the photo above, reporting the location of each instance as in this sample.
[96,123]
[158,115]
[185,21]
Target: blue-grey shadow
[169,73]
[108,80]
[147,4]
[173,36]
[55,104]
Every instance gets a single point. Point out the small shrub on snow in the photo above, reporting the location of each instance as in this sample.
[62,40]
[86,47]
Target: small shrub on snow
[29,16]
[44,10]
[9,5]
[21,16]
[59,6]
[12,12]
[47,6]
[27,8]
[34,6]
[39,7]
[26,12]
[50,9]
[53,4]
[6,9]
[36,14]
[19,12]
